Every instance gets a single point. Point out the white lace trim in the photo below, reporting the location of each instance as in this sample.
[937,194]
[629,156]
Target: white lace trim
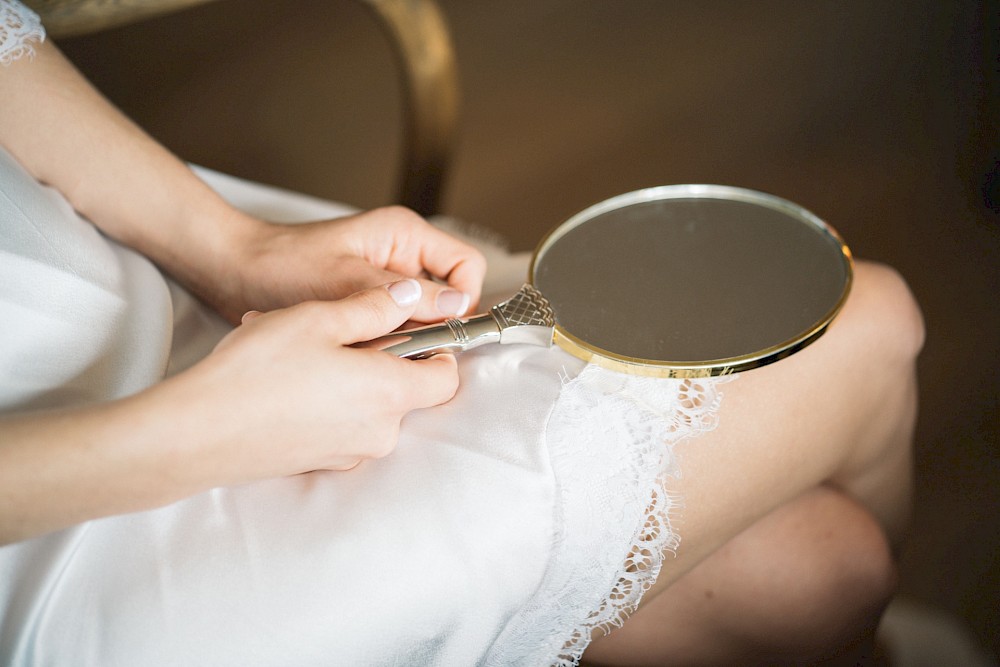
[611,439]
[652,415]
[20,28]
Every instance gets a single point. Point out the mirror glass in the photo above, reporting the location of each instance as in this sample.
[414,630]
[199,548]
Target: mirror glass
[682,276]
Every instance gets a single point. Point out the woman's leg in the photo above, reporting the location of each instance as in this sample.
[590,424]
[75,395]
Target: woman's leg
[803,584]
[791,504]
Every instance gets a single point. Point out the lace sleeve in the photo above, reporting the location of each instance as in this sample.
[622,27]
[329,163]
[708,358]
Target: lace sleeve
[20,28]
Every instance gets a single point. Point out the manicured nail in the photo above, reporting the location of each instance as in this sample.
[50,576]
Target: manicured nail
[405,292]
[249,315]
[452,302]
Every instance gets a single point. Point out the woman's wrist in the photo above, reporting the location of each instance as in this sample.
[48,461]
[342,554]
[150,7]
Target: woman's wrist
[116,175]
[209,250]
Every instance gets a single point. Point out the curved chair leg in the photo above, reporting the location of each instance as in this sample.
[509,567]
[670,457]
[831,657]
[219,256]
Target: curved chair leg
[426,58]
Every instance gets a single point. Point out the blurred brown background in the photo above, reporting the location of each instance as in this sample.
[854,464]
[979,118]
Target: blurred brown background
[881,117]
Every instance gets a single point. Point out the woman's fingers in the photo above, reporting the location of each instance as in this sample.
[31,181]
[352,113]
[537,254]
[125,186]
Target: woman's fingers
[372,312]
[375,312]
[437,301]
[432,381]
[446,257]
[418,248]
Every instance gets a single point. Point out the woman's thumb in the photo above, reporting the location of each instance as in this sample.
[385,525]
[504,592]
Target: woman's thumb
[376,311]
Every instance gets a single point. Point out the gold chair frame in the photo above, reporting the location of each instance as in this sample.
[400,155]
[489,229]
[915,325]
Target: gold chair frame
[423,52]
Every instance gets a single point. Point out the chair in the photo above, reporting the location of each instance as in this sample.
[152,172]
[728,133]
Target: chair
[424,56]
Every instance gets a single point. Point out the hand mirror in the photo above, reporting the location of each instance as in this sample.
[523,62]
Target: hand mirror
[673,281]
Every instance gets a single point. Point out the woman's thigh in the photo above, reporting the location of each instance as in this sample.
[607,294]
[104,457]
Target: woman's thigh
[790,505]
[840,412]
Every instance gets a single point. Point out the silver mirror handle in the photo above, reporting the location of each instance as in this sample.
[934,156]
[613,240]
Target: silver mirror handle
[526,317]
[453,336]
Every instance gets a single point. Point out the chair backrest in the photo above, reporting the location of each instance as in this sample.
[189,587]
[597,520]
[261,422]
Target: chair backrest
[424,54]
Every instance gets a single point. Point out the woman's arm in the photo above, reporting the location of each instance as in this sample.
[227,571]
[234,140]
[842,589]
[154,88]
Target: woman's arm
[284,393]
[68,136]
[237,416]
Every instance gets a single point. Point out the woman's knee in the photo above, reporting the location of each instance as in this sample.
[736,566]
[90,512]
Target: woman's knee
[804,584]
[824,573]
[854,579]
[885,312]
[856,566]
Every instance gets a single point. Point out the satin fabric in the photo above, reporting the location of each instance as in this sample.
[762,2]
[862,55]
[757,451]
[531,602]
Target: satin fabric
[417,559]
[420,558]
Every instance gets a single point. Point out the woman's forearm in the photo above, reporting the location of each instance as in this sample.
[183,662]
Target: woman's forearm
[59,468]
[70,137]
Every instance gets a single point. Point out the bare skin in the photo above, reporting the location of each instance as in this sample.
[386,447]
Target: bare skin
[793,504]
[804,585]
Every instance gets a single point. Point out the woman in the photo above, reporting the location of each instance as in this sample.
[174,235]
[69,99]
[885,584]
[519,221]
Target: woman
[152,475]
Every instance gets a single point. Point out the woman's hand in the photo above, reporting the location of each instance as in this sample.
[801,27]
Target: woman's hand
[286,393]
[266,266]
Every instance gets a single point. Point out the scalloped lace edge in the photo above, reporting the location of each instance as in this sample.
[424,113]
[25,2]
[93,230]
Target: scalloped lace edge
[661,413]
[611,438]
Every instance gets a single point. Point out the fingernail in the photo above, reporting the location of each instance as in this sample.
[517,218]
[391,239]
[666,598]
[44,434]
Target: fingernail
[249,315]
[405,292]
[452,302]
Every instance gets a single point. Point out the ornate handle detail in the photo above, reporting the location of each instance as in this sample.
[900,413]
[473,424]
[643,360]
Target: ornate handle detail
[526,317]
